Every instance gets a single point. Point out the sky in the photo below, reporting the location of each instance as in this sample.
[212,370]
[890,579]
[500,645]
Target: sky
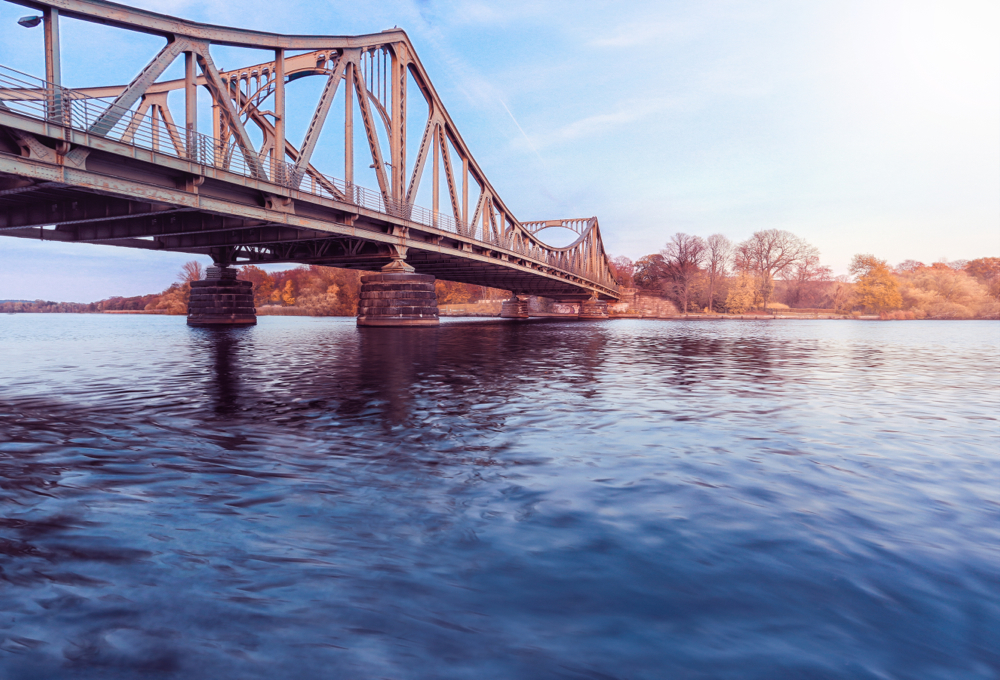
[862,126]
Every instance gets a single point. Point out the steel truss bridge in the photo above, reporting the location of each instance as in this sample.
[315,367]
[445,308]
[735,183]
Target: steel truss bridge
[109,165]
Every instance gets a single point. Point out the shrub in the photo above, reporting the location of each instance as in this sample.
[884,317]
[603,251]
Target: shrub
[949,310]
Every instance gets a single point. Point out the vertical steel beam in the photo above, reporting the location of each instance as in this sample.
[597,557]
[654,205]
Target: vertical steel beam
[217,134]
[465,190]
[435,180]
[349,124]
[401,113]
[53,61]
[397,141]
[278,152]
[154,126]
[487,210]
[53,66]
[191,105]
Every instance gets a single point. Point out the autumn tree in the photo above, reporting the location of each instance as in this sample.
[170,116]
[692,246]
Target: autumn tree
[285,295]
[174,300]
[718,252]
[875,289]
[453,292]
[769,254]
[741,294]
[801,276]
[650,271]
[624,270]
[263,283]
[986,270]
[843,299]
[327,291]
[939,291]
[683,256]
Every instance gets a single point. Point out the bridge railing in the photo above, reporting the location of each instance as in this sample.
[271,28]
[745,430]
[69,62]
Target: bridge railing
[151,129]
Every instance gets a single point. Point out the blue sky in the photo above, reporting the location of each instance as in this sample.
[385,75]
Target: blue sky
[861,126]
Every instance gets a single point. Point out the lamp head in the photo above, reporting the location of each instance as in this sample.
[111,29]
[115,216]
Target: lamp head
[30,21]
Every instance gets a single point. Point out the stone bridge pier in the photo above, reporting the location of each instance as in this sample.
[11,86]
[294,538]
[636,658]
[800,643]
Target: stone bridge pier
[593,309]
[397,296]
[220,299]
[515,308]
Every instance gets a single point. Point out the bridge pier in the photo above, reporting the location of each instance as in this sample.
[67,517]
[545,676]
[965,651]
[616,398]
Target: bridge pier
[221,300]
[515,308]
[398,297]
[593,309]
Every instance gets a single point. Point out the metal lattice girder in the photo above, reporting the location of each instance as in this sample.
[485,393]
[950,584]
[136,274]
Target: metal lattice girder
[204,180]
[319,117]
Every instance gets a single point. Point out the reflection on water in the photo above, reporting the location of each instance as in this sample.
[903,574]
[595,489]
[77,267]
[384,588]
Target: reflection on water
[627,499]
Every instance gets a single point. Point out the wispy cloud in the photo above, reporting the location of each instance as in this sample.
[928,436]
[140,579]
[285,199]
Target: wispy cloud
[525,134]
[635,34]
[601,123]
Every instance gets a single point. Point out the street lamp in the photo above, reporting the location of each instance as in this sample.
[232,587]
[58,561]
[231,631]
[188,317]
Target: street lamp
[30,21]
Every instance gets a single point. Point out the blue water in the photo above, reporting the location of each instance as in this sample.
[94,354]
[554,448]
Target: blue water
[618,499]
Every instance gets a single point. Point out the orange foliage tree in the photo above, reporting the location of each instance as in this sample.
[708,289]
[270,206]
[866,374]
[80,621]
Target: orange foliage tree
[624,270]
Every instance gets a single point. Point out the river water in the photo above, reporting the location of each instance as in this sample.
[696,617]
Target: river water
[492,499]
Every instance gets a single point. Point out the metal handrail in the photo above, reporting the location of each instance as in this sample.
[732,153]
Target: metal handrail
[30,96]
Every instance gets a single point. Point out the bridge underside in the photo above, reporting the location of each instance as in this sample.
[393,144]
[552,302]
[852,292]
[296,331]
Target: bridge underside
[129,203]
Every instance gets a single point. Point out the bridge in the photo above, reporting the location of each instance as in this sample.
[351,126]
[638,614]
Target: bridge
[109,165]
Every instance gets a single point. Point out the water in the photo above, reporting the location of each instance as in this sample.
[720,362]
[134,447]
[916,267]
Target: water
[621,499]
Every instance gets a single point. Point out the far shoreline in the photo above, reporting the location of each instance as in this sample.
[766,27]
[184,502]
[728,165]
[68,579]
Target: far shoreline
[554,315]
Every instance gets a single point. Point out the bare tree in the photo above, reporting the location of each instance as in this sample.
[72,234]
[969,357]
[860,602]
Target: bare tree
[802,275]
[683,257]
[768,254]
[719,251]
[909,266]
[191,271]
[624,270]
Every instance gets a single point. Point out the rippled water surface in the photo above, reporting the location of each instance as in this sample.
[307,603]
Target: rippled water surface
[620,499]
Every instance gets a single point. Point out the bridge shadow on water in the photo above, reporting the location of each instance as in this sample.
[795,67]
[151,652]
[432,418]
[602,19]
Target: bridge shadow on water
[397,373]
[354,373]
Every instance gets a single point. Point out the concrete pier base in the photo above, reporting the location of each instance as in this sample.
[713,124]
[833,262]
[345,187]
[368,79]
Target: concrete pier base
[515,308]
[593,309]
[397,299]
[221,300]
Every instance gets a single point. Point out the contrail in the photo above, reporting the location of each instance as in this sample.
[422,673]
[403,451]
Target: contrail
[526,137]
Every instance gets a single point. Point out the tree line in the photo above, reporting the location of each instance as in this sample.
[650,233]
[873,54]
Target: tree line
[325,291]
[777,270]
[308,290]
[772,270]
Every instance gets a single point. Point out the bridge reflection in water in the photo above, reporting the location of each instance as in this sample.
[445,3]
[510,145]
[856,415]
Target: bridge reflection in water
[109,165]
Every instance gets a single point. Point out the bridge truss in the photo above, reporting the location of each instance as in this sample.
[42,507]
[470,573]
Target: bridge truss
[110,165]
